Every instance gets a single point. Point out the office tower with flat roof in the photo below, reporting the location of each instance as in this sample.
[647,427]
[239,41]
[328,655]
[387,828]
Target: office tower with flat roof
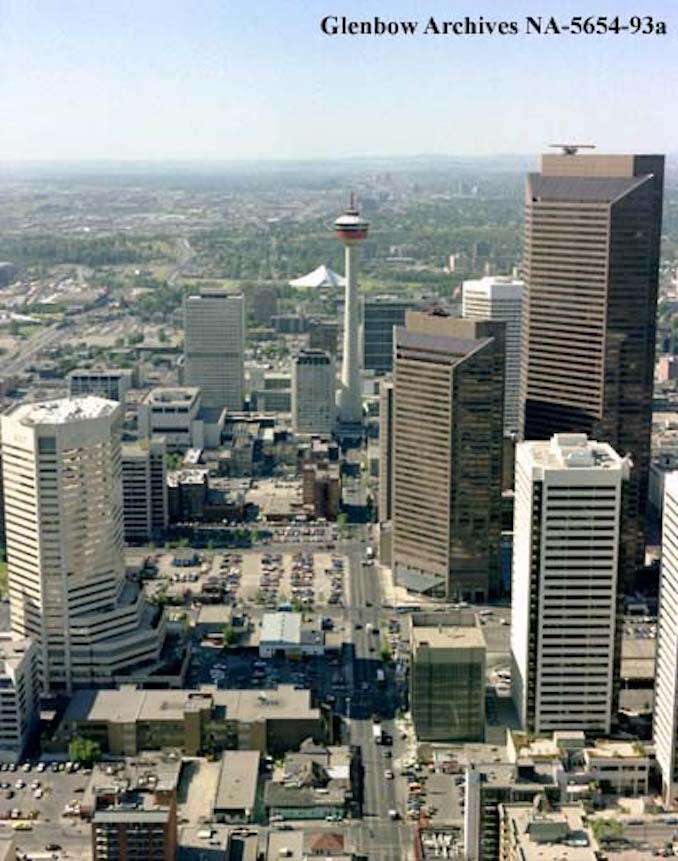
[214,333]
[263,306]
[274,393]
[323,335]
[499,297]
[65,547]
[380,315]
[144,487]
[447,683]
[385,451]
[447,455]
[591,267]
[566,599]
[313,393]
[666,679]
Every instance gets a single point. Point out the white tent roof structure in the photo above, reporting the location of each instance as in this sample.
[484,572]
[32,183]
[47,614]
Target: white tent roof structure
[323,276]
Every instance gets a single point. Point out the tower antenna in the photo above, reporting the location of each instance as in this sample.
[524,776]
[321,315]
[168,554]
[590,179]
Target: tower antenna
[570,148]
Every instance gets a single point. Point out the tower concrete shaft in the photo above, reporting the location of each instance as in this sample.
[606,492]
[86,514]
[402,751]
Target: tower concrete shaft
[350,399]
[351,229]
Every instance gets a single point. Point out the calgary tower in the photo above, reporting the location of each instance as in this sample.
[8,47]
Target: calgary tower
[351,229]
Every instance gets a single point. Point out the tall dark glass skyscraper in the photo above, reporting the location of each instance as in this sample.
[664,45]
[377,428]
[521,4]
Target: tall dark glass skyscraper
[447,423]
[592,236]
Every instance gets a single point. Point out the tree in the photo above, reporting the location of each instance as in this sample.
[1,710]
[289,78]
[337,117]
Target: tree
[84,750]
[607,829]
[342,523]
[230,636]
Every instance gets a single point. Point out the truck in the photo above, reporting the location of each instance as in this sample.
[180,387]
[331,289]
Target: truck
[377,733]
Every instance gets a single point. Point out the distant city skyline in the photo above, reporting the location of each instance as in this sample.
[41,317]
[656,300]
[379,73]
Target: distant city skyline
[212,80]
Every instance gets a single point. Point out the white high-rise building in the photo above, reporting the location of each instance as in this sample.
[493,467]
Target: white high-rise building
[313,393]
[214,346]
[566,573]
[498,297]
[666,678]
[65,550]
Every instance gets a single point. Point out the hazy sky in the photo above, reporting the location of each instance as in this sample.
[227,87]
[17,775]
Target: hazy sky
[232,79]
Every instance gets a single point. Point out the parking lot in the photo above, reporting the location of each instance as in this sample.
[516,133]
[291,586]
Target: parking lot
[304,579]
[324,675]
[33,803]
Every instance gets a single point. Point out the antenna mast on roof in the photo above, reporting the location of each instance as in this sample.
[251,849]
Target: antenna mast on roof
[572,149]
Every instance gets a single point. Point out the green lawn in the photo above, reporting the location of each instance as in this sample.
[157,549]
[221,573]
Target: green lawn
[3,579]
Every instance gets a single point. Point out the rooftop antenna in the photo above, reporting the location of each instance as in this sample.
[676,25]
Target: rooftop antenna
[570,148]
[351,201]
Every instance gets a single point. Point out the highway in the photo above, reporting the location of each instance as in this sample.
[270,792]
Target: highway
[17,362]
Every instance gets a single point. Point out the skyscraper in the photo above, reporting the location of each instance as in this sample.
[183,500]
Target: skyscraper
[144,484]
[351,229]
[447,455]
[214,333]
[666,684]
[592,233]
[380,315]
[385,503]
[498,297]
[313,386]
[566,601]
[66,566]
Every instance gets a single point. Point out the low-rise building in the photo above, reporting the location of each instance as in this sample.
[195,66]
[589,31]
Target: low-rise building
[111,383]
[177,415]
[286,634]
[19,694]
[666,368]
[488,785]
[617,766]
[621,767]
[133,808]
[530,834]
[313,783]
[129,720]
[236,791]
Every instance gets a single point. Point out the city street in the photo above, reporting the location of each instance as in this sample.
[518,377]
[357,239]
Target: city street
[376,835]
